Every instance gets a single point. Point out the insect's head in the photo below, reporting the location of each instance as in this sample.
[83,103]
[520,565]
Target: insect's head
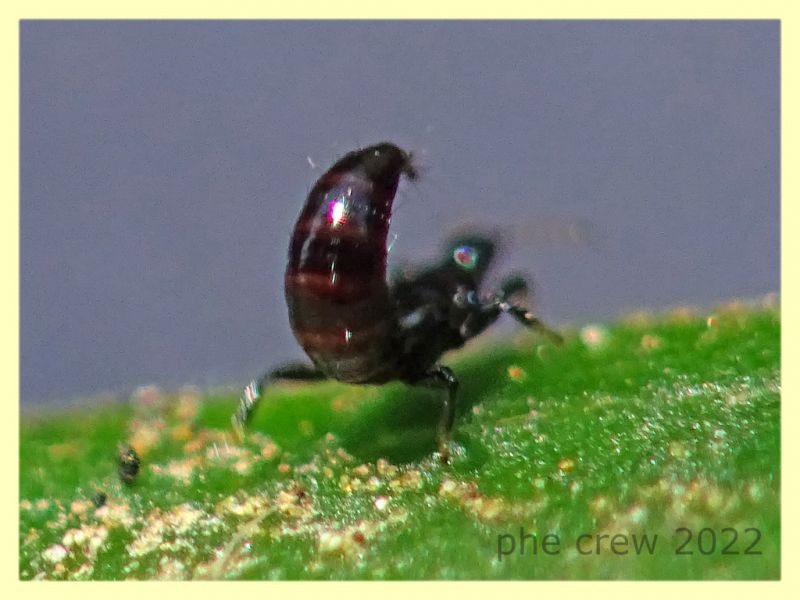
[470,254]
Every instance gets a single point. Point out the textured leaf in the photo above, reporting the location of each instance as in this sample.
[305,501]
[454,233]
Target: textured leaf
[635,428]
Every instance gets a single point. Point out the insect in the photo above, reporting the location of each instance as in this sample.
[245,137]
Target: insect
[353,325]
[128,463]
[99,499]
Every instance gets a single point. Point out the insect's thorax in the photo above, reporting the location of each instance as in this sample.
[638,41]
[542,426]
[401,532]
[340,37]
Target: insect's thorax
[429,322]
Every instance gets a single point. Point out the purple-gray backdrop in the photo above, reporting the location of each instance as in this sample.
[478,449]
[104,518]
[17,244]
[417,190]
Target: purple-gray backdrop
[163,164]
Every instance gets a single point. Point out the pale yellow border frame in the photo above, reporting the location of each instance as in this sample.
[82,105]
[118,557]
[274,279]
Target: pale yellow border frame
[203,9]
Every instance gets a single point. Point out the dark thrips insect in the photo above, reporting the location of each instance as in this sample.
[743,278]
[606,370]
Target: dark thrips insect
[354,326]
[128,463]
[99,499]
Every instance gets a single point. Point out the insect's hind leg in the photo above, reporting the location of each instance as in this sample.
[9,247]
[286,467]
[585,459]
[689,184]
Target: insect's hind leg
[440,376]
[252,394]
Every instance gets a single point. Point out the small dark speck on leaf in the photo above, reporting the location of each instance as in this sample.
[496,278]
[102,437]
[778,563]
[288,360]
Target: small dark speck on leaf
[128,462]
[99,499]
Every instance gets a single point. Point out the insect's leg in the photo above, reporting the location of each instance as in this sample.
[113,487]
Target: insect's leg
[253,392]
[481,315]
[440,376]
[525,317]
[508,288]
[513,285]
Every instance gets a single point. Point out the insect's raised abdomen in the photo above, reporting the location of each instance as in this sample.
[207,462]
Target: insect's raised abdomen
[339,303]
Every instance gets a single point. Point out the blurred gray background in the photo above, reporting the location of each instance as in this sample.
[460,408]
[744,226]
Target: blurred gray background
[628,164]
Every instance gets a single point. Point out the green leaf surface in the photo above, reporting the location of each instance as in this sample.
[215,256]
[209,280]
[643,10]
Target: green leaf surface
[563,459]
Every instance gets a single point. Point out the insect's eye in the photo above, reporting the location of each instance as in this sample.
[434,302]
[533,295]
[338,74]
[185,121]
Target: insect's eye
[466,257]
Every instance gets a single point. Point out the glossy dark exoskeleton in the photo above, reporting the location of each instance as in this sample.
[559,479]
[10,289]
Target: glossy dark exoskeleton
[354,326]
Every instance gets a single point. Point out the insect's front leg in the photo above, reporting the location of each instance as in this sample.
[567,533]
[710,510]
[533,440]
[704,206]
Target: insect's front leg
[443,377]
[524,316]
[484,314]
[514,285]
[252,394]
